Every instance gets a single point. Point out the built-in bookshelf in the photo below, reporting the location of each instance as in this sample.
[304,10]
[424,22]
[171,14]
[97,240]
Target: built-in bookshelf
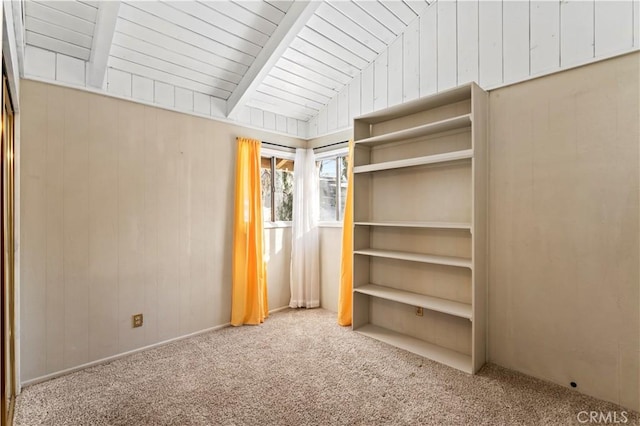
[420,226]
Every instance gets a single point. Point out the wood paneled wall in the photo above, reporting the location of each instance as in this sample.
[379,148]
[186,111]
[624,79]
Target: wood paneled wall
[492,42]
[564,284]
[126,208]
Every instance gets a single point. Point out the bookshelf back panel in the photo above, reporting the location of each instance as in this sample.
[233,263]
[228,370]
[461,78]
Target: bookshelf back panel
[442,242]
[361,197]
[456,140]
[360,310]
[446,282]
[423,117]
[361,155]
[361,269]
[436,193]
[434,327]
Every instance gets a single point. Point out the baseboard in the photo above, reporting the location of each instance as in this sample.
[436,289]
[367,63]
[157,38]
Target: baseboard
[134,351]
[282,308]
[118,356]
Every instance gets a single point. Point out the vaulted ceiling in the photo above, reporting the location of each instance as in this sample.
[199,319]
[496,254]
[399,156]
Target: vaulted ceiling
[286,57]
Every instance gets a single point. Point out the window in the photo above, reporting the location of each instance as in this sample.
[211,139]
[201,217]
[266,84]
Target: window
[333,187]
[277,193]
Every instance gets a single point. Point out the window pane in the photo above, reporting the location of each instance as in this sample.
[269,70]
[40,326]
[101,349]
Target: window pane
[342,164]
[284,189]
[328,189]
[265,180]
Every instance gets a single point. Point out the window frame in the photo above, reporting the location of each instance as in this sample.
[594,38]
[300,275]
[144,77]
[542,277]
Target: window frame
[271,154]
[328,155]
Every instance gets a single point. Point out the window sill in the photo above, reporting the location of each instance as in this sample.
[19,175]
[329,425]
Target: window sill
[330,224]
[275,225]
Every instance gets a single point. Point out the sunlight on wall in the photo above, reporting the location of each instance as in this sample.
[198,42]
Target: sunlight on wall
[277,243]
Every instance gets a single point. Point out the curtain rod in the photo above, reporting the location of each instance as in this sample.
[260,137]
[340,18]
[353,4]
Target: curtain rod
[277,144]
[330,144]
[291,147]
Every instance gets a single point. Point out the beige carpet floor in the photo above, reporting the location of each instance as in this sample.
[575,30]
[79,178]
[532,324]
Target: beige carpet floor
[298,368]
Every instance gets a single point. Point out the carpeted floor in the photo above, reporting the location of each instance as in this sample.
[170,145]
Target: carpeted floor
[298,368]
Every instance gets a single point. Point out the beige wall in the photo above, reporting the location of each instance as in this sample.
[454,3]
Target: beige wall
[330,255]
[277,243]
[564,229]
[125,209]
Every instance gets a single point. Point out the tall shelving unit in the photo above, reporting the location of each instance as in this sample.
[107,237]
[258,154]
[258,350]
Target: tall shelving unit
[420,226]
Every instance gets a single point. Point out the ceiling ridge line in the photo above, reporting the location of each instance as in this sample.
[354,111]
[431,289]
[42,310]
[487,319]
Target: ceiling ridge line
[295,19]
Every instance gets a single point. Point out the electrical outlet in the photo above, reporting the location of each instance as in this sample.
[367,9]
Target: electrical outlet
[419,311]
[137,320]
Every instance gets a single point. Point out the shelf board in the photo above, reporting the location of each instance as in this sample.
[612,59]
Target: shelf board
[417,257]
[423,130]
[436,225]
[416,161]
[445,97]
[428,350]
[450,307]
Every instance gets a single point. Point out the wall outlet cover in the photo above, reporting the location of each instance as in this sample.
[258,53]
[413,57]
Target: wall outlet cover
[137,320]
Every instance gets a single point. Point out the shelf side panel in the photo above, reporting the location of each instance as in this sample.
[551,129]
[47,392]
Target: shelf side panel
[361,197]
[361,270]
[480,105]
[360,316]
[361,155]
[361,129]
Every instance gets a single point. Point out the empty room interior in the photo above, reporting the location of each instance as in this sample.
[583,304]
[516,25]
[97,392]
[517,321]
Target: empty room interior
[320,212]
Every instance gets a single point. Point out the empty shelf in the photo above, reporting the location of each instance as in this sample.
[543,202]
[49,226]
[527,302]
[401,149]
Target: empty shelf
[416,161]
[450,307]
[445,97]
[423,130]
[417,257]
[428,350]
[436,225]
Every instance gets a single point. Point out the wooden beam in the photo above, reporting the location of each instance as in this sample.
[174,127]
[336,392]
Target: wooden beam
[102,38]
[18,23]
[13,48]
[296,17]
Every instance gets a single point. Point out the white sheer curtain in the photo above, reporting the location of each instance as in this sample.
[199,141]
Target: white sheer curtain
[305,245]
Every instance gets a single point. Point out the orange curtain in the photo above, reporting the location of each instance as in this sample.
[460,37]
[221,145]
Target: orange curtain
[249,293]
[345,295]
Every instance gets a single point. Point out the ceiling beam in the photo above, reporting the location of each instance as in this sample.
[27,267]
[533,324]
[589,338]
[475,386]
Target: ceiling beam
[296,17]
[12,44]
[101,46]
[19,30]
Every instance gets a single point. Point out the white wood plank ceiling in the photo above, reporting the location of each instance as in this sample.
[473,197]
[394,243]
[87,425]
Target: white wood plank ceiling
[65,27]
[244,52]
